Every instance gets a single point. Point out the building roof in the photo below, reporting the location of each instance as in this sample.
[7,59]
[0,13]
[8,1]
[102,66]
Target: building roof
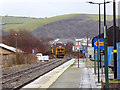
[9,48]
[61,41]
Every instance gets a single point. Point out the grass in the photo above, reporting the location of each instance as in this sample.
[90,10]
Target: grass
[32,24]
[114,81]
[73,64]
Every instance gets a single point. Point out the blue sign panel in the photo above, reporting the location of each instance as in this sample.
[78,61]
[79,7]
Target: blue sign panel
[83,51]
[95,41]
[101,43]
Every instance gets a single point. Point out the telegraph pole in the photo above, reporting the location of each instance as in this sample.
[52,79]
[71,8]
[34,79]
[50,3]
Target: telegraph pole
[16,41]
[87,47]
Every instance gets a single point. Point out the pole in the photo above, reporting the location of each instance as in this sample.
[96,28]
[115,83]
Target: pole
[83,57]
[94,62]
[83,54]
[16,41]
[98,57]
[100,31]
[105,47]
[78,58]
[114,36]
[102,65]
[87,48]
[104,13]
[98,51]
[87,45]
[106,60]
[52,51]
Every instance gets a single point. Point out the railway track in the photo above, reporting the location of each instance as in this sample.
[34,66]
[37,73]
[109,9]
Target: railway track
[16,75]
[10,78]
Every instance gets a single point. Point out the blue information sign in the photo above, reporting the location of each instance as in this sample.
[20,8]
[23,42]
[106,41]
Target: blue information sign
[101,43]
[83,51]
[95,40]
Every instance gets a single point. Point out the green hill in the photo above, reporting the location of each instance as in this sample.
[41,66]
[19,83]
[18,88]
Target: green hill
[32,24]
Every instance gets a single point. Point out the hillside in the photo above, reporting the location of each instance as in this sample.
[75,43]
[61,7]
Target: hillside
[32,24]
[63,26]
[69,29]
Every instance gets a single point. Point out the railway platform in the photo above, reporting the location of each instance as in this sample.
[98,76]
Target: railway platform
[67,75]
[75,77]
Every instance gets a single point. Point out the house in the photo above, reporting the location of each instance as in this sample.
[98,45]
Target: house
[7,52]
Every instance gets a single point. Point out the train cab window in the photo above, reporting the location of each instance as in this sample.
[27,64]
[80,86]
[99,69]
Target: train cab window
[62,49]
[58,49]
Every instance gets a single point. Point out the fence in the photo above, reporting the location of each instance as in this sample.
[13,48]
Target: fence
[110,55]
[118,60]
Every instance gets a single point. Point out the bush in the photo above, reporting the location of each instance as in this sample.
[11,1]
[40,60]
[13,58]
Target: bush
[21,58]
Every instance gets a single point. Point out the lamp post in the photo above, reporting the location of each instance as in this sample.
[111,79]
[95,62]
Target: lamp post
[98,52]
[105,47]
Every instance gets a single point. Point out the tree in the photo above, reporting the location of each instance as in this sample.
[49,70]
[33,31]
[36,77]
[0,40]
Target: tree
[25,41]
[68,48]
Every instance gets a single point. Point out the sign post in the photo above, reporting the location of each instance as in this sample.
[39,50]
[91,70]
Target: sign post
[94,62]
[98,44]
[98,57]
[95,47]
[78,44]
[78,58]
[102,62]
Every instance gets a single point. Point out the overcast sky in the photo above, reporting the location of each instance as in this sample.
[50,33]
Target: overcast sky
[49,8]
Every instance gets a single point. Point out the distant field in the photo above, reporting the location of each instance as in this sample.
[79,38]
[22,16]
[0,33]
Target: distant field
[32,24]
[12,19]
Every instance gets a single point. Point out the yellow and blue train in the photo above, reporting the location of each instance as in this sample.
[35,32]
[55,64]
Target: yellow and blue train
[60,52]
